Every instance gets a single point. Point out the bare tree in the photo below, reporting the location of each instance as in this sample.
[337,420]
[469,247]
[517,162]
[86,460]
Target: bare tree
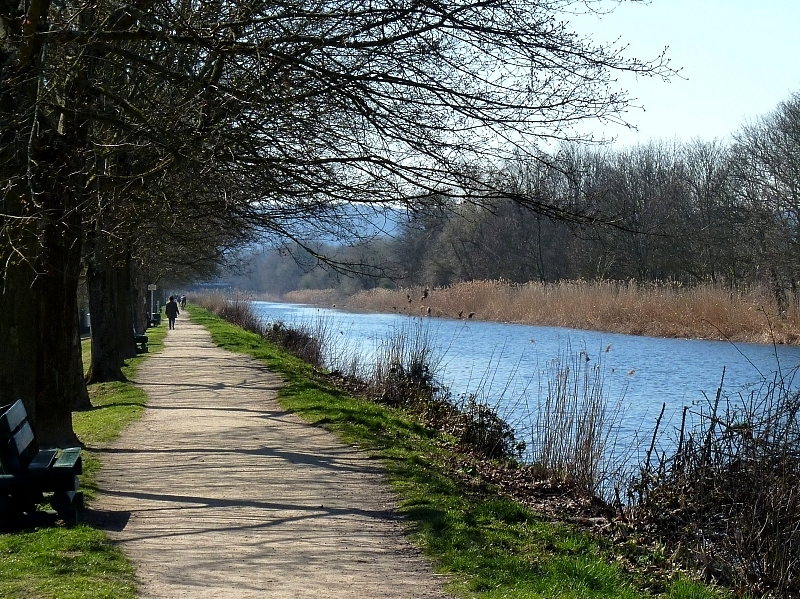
[307,111]
[766,181]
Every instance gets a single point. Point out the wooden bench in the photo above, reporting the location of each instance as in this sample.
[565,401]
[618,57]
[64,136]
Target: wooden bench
[28,472]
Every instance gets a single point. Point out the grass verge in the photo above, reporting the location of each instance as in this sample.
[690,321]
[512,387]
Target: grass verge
[490,546]
[79,562]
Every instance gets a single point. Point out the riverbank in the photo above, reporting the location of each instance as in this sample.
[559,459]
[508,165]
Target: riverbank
[665,511]
[493,530]
[667,310]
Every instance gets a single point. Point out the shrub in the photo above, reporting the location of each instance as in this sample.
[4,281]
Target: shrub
[728,496]
[478,425]
[300,342]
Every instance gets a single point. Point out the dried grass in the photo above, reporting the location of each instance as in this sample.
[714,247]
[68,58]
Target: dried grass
[304,341]
[659,309]
[404,373]
[236,309]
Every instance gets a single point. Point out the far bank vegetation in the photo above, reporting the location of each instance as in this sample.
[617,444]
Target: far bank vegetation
[695,239]
[661,310]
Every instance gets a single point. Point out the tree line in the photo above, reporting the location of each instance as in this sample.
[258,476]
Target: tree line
[726,213]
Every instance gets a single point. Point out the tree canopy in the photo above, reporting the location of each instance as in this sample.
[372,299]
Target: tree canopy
[129,129]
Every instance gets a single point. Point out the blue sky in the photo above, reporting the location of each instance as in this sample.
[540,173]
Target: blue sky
[739,59]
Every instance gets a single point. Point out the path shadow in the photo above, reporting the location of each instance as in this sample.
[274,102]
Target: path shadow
[274,513]
[339,460]
[110,521]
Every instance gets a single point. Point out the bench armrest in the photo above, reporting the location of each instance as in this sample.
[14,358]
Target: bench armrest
[69,461]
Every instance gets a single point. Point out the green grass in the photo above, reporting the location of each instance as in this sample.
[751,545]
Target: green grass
[63,562]
[490,546]
[78,562]
[115,406]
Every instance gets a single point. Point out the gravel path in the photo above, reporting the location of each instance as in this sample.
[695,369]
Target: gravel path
[217,492]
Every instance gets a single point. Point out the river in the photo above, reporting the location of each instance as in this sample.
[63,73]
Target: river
[507,364]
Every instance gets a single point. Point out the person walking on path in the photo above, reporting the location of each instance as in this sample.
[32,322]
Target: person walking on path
[172,311]
[217,492]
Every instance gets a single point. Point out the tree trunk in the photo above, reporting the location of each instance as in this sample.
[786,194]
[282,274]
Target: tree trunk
[17,235]
[140,300]
[17,326]
[108,281]
[80,394]
[40,248]
[124,322]
[38,324]
[107,356]
[56,291]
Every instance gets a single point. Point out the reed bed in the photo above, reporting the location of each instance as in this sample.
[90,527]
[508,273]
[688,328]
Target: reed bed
[659,310]
[317,297]
[576,427]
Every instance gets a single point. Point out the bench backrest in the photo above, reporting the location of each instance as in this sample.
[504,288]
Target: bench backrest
[17,443]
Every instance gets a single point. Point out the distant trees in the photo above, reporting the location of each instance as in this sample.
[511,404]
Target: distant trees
[690,212]
[765,175]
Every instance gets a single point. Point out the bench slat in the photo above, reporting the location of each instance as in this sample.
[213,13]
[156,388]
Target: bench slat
[23,438]
[19,451]
[24,445]
[11,419]
[40,465]
[56,482]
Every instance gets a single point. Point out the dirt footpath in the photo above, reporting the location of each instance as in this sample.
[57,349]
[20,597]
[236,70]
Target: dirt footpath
[217,492]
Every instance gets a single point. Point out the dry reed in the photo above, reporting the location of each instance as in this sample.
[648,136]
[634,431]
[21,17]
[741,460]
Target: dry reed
[659,310]
[574,436]
[317,297]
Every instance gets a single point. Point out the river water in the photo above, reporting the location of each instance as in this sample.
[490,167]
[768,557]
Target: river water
[507,364]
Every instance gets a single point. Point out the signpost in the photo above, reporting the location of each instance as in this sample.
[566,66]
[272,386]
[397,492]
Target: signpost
[151,288]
